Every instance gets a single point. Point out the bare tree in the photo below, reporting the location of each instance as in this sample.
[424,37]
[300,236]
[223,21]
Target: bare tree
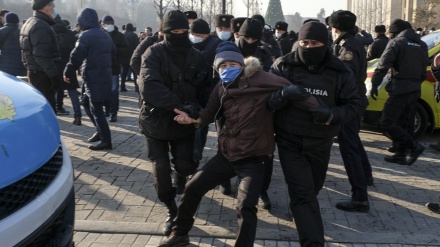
[426,15]
[161,7]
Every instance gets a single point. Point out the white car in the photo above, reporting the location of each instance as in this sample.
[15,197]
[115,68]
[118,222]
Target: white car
[37,201]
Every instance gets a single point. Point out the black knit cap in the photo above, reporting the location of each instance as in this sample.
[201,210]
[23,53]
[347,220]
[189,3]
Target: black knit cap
[223,20]
[260,18]
[314,30]
[199,26]
[380,29]
[39,4]
[281,25]
[309,20]
[343,20]
[11,18]
[190,15]
[174,19]
[251,28]
[398,25]
[129,26]
[236,24]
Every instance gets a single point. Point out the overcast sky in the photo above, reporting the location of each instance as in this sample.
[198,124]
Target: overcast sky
[307,8]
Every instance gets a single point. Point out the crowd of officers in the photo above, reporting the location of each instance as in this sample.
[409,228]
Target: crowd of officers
[259,86]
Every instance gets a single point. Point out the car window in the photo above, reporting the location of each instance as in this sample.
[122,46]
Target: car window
[432,39]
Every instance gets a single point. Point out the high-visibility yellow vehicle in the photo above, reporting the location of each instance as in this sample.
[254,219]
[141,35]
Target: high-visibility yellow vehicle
[428,110]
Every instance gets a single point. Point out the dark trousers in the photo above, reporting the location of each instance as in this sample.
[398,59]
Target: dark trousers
[97,109]
[399,107]
[355,158]
[182,158]
[85,102]
[42,82]
[126,72]
[250,172]
[112,106]
[199,143]
[73,95]
[304,161]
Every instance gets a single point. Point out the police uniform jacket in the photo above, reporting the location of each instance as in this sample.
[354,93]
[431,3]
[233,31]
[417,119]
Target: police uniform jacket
[248,127]
[407,56]
[164,87]
[270,41]
[284,43]
[348,49]
[10,56]
[332,83]
[123,54]
[376,49]
[263,53]
[40,51]
[136,58]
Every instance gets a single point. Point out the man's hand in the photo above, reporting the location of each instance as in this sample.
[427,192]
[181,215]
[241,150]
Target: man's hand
[374,93]
[191,110]
[183,118]
[294,93]
[436,61]
[322,115]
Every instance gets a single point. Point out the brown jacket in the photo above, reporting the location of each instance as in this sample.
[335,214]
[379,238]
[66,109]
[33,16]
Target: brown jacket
[248,128]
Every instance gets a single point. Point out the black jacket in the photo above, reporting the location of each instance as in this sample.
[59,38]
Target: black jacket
[332,84]
[269,40]
[284,43]
[263,53]
[136,58]
[123,51]
[66,41]
[10,57]
[376,49]
[348,49]
[407,56]
[164,87]
[133,42]
[40,50]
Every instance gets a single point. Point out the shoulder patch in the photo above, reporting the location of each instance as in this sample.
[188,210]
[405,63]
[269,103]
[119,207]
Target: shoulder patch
[347,56]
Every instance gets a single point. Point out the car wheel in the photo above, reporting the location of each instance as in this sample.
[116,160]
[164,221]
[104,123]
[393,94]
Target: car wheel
[421,121]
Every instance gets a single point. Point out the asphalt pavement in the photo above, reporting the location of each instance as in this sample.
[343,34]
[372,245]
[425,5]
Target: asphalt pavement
[117,205]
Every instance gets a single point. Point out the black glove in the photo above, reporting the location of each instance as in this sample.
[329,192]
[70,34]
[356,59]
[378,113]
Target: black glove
[295,93]
[374,93]
[56,82]
[191,110]
[322,114]
[437,91]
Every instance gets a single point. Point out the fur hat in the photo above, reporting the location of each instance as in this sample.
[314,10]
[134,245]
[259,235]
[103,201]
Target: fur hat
[174,19]
[39,4]
[227,52]
[343,20]
[236,24]
[190,15]
[129,26]
[281,25]
[223,20]
[380,29]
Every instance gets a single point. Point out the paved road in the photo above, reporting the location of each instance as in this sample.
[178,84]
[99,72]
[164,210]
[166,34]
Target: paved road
[116,204]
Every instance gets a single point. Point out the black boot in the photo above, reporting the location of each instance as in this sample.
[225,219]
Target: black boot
[399,158]
[225,188]
[264,201]
[179,182]
[77,121]
[96,137]
[174,240]
[353,206]
[172,213]
[415,153]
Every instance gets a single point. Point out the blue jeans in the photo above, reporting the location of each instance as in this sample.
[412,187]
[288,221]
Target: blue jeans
[73,95]
[114,98]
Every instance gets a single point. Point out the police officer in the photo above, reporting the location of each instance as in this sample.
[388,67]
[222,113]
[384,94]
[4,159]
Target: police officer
[191,16]
[282,36]
[304,138]
[376,49]
[268,39]
[173,76]
[348,49]
[236,24]
[223,27]
[407,56]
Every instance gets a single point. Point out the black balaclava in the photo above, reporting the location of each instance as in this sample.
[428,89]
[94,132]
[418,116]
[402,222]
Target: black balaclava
[314,31]
[247,49]
[174,20]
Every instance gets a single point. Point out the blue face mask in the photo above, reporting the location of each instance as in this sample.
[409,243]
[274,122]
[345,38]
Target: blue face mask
[229,74]
[224,35]
[54,13]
